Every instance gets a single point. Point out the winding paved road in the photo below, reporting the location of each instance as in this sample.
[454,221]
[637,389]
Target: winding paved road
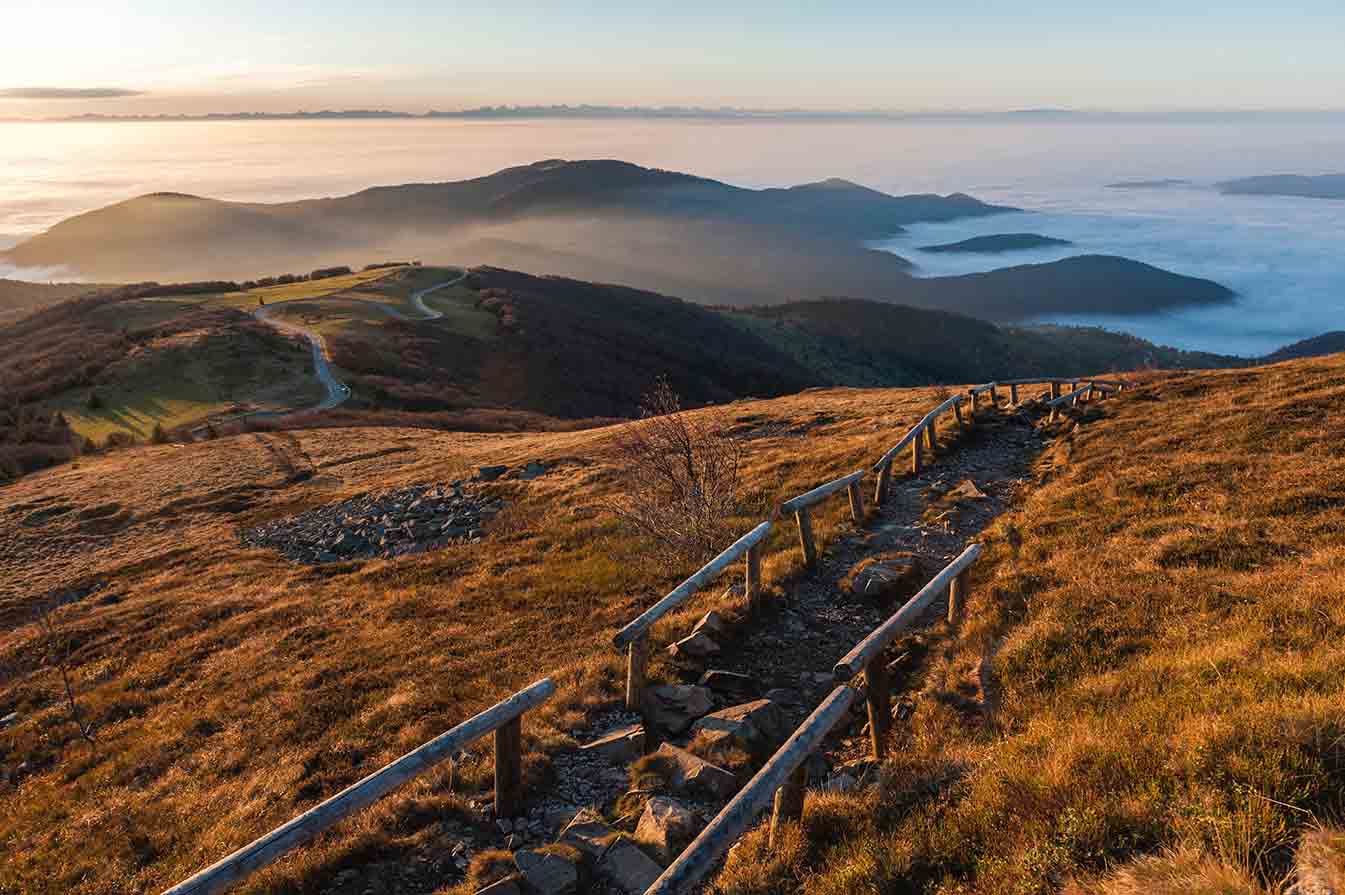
[337,391]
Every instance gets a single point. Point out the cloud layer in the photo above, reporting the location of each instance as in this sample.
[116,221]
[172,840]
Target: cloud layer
[67,92]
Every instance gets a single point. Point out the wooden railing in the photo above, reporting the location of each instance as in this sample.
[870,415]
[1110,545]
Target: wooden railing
[635,636]
[801,507]
[928,427]
[504,719]
[867,656]
[780,781]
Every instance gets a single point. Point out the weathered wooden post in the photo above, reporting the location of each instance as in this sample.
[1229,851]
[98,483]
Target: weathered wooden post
[788,802]
[509,768]
[884,479]
[1055,389]
[957,415]
[752,577]
[917,458]
[932,436]
[974,395]
[805,519]
[994,396]
[957,595]
[637,661]
[856,502]
[877,692]
[1013,393]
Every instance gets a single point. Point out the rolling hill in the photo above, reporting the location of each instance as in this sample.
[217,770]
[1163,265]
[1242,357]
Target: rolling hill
[605,221]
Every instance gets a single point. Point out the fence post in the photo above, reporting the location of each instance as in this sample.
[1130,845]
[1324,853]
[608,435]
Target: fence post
[637,660]
[994,396]
[752,577]
[932,435]
[509,768]
[788,802]
[957,595]
[1055,390]
[957,414]
[916,460]
[877,688]
[974,395]
[1013,393]
[856,502]
[884,478]
[805,520]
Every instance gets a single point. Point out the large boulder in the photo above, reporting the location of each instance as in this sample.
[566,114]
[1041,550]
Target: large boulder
[672,707]
[547,873]
[666,827]
[887,577]
[757,726]
[730,683]
[629,868]
[621,746]
[696,647]
[691,773]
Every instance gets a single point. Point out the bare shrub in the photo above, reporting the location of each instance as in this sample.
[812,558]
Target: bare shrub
[681,476]
[58,650]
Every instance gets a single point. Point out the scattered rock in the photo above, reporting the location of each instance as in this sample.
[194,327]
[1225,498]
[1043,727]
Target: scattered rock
[842,781]
[394,523]
[672,707]
[756,726]
[629,868]
[712,625]
[506,886]
[11,719]
[589,836]
[967,490]
[782,696]
[666,827]
[697,646]
[883,577]
[620,746]
[533,470]
[505,824]
[491,473]
[547,874]
[694,774]
[730,682]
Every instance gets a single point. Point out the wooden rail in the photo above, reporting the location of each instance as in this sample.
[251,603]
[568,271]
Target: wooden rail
[802,505]
[867,656]
[779,780]
[504,719]
[634,638]
[928,427]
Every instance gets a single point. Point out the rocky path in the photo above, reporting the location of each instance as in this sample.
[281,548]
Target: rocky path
[745,698]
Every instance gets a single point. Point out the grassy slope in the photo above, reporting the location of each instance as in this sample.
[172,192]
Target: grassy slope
[18,298]
[1161,623]
[231,690]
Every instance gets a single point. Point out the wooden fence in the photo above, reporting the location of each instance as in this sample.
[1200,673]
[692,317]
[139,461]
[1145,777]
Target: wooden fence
[504,719]
[781,779]
[634,638]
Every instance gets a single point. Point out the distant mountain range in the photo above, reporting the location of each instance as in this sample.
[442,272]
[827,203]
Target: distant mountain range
[1325,186]
[607,221]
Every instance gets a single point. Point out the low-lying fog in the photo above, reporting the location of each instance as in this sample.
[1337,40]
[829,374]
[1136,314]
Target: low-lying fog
[1282,255]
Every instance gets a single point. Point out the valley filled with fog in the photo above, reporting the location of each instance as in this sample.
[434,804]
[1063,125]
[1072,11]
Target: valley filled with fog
[1281,255]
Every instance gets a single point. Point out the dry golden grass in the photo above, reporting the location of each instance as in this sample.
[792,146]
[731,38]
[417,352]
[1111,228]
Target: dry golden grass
[1163,620]
[231,690]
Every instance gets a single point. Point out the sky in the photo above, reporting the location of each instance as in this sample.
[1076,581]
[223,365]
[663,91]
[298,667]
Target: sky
[188,56]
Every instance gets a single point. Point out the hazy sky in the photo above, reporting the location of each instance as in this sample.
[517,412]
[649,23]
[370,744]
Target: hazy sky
[63,57]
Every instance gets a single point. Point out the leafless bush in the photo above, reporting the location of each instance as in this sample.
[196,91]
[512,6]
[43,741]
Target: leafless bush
[680,476]
[58,651]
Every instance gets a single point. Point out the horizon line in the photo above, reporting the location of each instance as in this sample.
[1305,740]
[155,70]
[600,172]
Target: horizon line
[693,112]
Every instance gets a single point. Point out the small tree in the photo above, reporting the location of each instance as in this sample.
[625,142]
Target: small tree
[680,476]
[58,653]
